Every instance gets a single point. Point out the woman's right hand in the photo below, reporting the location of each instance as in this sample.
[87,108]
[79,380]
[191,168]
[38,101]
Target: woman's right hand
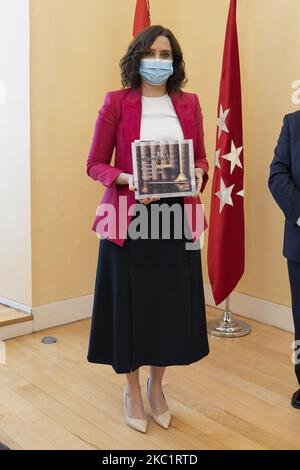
[132,187]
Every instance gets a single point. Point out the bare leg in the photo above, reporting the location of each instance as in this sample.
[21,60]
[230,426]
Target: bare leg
[157,400]
[135,407]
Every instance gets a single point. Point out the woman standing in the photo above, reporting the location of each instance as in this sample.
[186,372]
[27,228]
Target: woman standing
[149,304]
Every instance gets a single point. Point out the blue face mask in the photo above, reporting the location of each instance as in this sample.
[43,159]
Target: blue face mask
[156,71]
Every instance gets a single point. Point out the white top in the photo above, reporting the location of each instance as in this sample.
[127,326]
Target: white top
[159,119]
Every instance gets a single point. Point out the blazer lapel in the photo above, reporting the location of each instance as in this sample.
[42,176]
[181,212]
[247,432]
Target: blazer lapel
[184,114]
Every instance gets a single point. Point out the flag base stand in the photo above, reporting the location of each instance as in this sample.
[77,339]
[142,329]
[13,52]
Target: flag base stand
[228,327]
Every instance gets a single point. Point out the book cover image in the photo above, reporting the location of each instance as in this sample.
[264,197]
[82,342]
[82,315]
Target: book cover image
[163,168]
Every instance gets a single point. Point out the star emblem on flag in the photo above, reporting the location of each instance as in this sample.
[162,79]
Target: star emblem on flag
[222,121]
[234,157]
[217,156]
[224,194]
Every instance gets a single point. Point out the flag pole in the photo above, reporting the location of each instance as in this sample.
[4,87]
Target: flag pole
[228,327]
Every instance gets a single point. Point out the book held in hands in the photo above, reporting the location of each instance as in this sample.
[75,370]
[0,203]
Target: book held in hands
[163,168]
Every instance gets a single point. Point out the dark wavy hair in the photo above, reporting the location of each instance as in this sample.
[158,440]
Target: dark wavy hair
[130,62]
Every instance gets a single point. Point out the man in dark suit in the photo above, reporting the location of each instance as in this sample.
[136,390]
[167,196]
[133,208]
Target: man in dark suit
[284,184]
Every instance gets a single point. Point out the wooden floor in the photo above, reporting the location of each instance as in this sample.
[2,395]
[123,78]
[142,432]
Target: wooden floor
[238,397]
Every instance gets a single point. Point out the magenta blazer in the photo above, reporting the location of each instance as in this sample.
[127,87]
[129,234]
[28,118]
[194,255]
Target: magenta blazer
[117,125]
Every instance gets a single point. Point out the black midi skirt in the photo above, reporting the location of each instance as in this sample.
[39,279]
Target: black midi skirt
[148,306]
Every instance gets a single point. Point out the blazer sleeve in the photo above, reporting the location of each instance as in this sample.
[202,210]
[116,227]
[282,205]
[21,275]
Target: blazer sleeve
[199,147]
[280,182]
[104,140]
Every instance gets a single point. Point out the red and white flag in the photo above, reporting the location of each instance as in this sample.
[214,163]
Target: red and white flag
[141,16]
[226,251]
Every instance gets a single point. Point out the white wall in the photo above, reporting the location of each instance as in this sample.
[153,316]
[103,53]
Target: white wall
[15,227]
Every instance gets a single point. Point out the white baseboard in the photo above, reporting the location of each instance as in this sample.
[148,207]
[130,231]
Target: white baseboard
[79,308]
[17,305]
[59,313]
[257,309]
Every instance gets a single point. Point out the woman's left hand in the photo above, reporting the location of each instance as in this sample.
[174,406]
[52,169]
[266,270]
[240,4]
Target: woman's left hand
[199,180]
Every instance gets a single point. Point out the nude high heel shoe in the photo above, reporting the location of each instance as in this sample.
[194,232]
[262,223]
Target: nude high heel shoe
[139,424]
[164,418]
